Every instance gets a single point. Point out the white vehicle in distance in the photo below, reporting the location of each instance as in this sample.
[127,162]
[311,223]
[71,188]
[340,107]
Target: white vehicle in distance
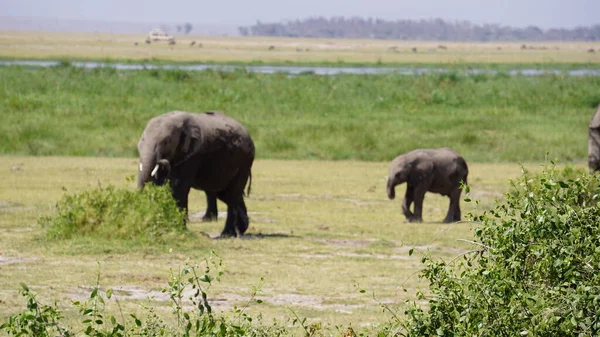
[157,35]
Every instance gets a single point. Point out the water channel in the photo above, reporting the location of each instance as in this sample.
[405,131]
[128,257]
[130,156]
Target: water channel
[317,70]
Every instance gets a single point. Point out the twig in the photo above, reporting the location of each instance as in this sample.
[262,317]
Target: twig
[299,320]
[475,243]
[467,252]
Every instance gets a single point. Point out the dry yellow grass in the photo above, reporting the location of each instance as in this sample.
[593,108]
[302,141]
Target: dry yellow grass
[44,45]
[319,231]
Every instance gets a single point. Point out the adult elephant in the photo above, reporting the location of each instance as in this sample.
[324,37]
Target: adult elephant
[428,170]
[206,151]
[594,142]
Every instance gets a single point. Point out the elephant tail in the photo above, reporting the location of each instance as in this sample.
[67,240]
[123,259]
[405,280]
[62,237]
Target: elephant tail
[249,184]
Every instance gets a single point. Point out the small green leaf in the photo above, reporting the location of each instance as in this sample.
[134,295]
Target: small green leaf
[206,278]
[24,286]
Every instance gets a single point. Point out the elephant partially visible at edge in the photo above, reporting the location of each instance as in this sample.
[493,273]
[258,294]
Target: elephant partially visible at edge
[206,151]
[428,170]
[594,142]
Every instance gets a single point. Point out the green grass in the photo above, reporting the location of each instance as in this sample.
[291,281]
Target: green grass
[488,118]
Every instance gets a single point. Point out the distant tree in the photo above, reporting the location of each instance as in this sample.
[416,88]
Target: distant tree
[187,27]
[244,31]
[432,29]
[178,28]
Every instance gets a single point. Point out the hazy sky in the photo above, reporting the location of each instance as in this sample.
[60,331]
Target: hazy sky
[542,13]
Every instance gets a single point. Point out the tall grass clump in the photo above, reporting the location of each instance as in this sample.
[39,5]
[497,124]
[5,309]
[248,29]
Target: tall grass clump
[533,270]
[149,215]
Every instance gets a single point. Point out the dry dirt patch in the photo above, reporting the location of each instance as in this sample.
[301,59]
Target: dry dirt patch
[221,302]
[4,260]
[7,206]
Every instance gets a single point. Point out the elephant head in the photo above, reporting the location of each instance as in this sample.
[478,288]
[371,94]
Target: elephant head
[407,169]
[167,141]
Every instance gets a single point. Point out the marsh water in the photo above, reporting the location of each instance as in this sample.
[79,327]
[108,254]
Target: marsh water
[298,70]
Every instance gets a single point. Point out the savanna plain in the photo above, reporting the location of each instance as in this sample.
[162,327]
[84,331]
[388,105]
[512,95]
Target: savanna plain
[324,241]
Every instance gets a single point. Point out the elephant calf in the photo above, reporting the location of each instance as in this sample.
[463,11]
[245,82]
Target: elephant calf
[206,151]
[428,170]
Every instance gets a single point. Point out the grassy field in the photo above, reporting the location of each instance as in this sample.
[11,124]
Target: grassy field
[488,118]
[44,45]
[320,231]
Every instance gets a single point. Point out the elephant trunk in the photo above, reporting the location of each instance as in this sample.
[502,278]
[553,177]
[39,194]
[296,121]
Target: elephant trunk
[147,164]
[391,191]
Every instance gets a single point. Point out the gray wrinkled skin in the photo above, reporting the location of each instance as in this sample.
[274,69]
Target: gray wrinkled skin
[428,170]
[206,151]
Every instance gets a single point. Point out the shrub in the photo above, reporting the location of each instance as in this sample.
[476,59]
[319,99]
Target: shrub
[533,271]
[112,213]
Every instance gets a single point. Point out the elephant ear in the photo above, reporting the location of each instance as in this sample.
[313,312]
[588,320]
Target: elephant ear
[190,140]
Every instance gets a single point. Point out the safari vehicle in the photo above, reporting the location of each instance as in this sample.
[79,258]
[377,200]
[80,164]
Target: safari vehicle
[157,35]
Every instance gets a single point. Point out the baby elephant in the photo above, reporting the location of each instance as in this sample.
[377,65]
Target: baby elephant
[428,170]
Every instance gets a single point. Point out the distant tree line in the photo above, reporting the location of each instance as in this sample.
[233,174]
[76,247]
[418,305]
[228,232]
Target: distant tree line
[431,29]
[186,28]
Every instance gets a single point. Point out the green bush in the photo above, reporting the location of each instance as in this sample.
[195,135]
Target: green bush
[112,213]
[533,270]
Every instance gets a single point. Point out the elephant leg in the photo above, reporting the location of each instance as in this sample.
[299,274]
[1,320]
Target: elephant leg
[237,215]
[453,214]
[230,222]
[418,195]
[212,212]
[180,191]
[242,220]
[408,200]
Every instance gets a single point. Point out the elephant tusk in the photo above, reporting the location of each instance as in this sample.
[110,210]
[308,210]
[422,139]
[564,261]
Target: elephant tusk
[154,171]
[141,167]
